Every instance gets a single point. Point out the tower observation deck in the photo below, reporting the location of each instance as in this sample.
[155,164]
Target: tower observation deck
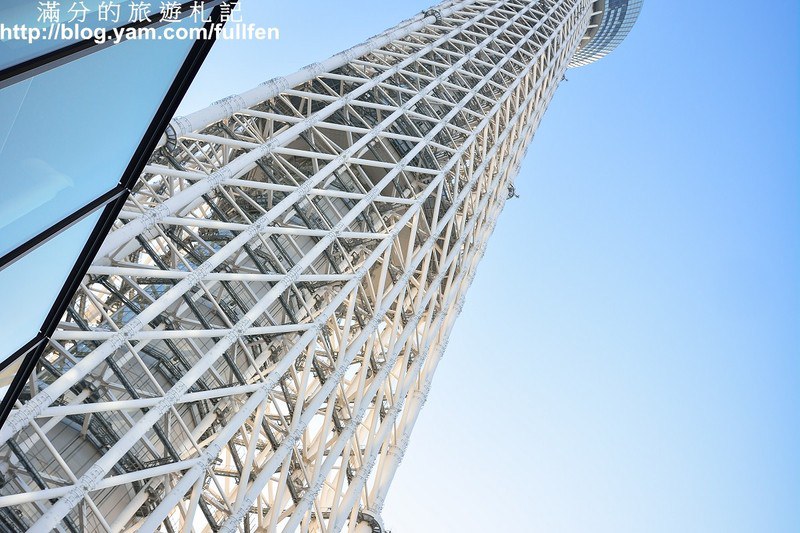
[255,340]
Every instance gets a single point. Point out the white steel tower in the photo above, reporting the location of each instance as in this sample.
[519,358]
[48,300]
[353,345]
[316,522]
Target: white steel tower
[255,340]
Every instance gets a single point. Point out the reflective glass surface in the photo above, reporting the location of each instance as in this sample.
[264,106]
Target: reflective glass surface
[619,16]
[68,134]
[40,15]
[30,285]
[9,371]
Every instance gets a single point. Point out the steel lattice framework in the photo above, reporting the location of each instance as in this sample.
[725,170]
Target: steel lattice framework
[253,344]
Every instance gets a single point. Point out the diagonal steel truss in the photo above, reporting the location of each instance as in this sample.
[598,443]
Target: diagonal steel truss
[252,346]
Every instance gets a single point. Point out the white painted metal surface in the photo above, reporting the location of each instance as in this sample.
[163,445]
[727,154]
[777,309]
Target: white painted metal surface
[254,343]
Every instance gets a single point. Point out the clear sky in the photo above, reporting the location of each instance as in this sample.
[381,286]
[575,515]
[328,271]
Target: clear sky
[629,356]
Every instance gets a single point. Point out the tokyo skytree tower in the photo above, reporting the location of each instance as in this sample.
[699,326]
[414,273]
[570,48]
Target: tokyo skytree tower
[253,344]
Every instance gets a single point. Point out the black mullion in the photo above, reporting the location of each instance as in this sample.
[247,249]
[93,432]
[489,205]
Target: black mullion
[44,236]
[25,347]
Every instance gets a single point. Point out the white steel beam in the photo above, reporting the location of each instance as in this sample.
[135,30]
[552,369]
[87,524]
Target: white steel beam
[253,345]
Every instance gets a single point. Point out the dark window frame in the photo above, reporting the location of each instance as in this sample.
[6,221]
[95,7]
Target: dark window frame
[111,202]
[56,58]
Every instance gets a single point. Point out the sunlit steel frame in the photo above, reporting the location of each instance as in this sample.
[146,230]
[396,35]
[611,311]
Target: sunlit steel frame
[255,339]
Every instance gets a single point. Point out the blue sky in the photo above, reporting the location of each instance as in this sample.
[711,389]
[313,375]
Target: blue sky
[629,356]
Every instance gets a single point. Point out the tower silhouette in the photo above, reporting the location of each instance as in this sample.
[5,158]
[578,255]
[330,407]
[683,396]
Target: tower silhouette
[253,343]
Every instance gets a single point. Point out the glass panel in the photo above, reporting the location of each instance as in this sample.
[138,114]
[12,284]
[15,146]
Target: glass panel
[39,15]
[71,131]
[8,372]
[30,285]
